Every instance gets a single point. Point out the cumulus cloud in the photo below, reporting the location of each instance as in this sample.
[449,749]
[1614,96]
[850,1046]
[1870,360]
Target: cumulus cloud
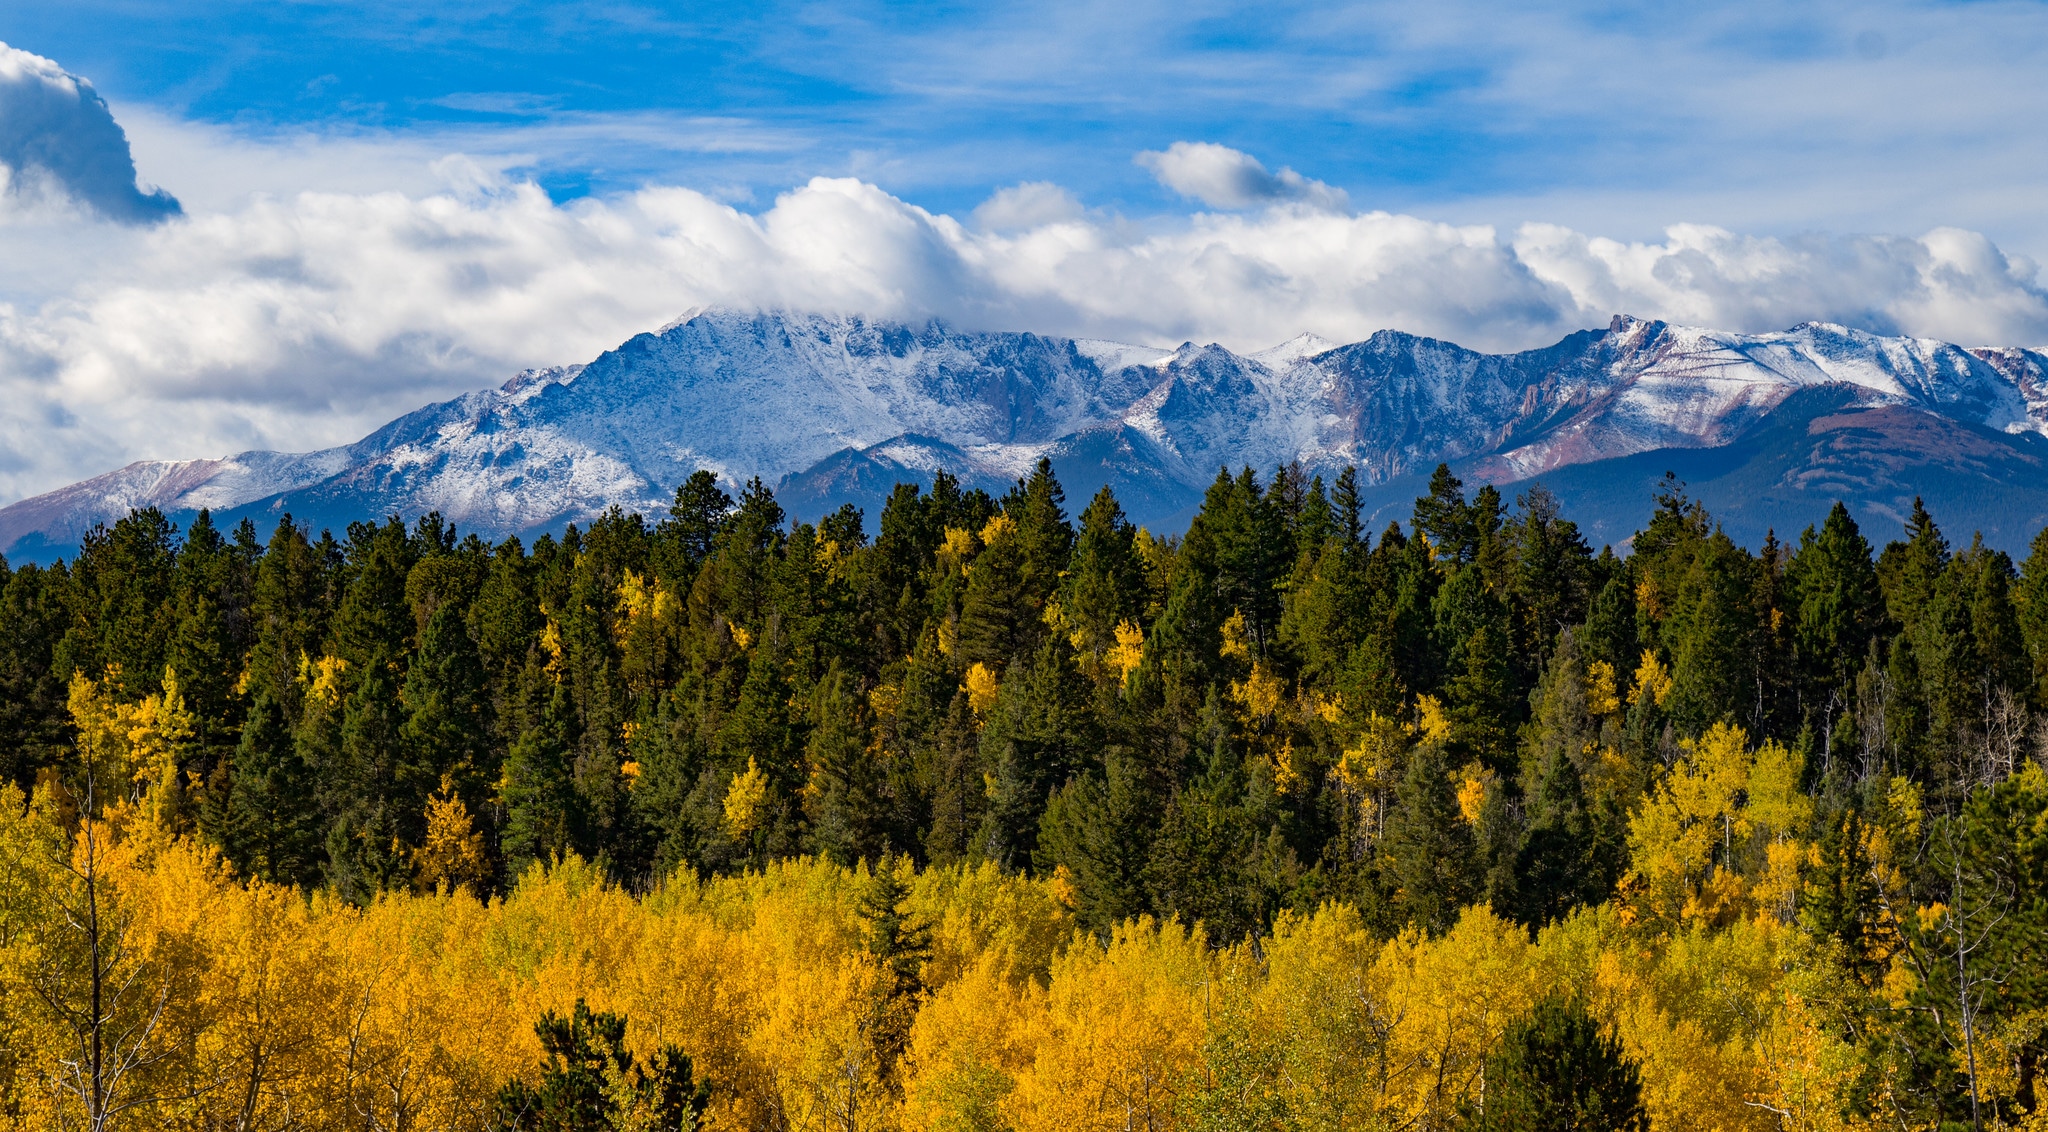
[57,138]
[302,321]
[1222,177]
[1027,205]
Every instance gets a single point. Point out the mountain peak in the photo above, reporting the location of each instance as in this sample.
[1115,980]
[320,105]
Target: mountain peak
[839,407]
[1303,345]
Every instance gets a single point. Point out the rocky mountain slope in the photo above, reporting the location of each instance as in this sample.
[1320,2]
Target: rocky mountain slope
[835,409]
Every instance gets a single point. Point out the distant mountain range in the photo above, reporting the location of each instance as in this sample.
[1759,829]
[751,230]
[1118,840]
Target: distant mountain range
[1766,429]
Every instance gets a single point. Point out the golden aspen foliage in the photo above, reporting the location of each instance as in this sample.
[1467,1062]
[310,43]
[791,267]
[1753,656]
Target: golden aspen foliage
[743,801]
[551,645]
[323,677]
[1432,722]
[1652,679]
[1453,997]
[1236,639]
[1601,695]
[642,605]
[1326,1002]
[1473,783]
[982,687]
[996,529]
[1711,837]
[1118,1032]
[971,1039]
[452,854]
[1128,653]
[957,547]
[1648,601]
[1260,694]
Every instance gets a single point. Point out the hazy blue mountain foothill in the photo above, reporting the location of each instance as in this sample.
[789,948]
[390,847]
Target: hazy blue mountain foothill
[1766,429]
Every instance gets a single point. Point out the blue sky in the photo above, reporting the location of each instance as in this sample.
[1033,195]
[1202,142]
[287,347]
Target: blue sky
[1767,116]
[366,206]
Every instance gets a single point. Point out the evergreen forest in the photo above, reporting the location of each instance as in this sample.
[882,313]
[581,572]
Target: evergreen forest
[1001,813]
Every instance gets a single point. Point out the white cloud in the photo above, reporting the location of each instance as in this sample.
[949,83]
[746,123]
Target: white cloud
[301,321]
[59,143]
[1027,205]
[1948,283]
[1222,177]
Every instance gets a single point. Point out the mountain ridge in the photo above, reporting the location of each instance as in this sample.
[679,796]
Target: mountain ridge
[837,408]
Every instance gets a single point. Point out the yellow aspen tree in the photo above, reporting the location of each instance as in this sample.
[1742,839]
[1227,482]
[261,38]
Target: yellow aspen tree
[970,1040]
[1325,995]
[1120,1033]
[1451,999]
[452,853]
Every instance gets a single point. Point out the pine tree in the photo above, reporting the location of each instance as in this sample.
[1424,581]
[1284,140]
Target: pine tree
[690,533]
[1429,850]
[1555,1071]
[592,1083]
[1841,903]
[448,722]
[120,597]
[997,621]
[959,789]
[1552,568]
[290,610]
[271,828]
[1710,634]
[1037,736]
[2030,605]
[365,850]
[1251,553]
[1045,540]
[1347,506]
[1106,585]
[543,818]
[33,719]
[1838,610]
[373,618]
[1204,855]
[846,802]
[1472,628]
[1100,827]
[1445,519]
[759,732]
[901,943]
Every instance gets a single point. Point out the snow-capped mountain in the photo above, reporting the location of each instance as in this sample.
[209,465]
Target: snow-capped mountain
[834,409]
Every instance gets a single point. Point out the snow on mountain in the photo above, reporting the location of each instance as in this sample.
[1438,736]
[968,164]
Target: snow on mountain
[838,408]
[1303,345]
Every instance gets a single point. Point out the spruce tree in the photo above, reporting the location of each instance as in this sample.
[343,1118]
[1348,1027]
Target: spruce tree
[1710,636]
[1045,540]
[1344,501]
[1106,584]
[1036,736]
[1428,849]
[593,1083]
[1100,827]
[997,620]
[543,818]
[1838,610]
[448,722]
[270,826]
[687,537]
[1555,1071]
[846,800]
[1251,553]
[2030,605]
[34,723]
[365,850]
[373,619]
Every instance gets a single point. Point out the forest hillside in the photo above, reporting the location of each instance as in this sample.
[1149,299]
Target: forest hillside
[988,814]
